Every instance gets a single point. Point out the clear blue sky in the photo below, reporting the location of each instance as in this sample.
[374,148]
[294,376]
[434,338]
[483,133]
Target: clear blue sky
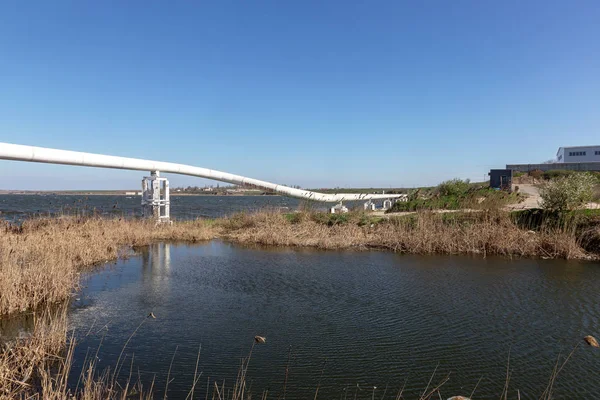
[314,93]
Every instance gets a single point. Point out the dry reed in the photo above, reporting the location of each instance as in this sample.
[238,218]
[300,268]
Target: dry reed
[422,233]
[39,366]
[24,361]
[40,261]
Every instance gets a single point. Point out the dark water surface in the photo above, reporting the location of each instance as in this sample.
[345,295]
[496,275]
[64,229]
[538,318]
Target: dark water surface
[18,207]
[377,318]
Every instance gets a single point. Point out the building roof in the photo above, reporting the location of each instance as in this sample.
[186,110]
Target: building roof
[576,147]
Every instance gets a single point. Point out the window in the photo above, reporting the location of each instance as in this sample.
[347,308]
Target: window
[576,153]
[597,152]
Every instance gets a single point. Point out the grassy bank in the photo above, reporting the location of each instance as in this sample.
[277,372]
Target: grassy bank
[424,233]
[40,260]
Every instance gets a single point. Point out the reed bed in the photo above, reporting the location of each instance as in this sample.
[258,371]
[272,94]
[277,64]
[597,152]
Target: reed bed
[40,260]
[24,361]
[485,233]
[39,366]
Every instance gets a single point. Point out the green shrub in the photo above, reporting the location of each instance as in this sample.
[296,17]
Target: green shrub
[320,217]
[567,192]
[453,187]
[557,173]
[294,218]
[337,219]
[333,219]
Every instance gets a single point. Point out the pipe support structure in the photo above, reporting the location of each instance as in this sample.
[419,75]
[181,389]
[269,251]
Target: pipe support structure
[18,152]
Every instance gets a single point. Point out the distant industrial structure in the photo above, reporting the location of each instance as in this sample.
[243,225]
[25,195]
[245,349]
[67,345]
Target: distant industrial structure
[501,179]
[579,158]
[575,158]
[578,154]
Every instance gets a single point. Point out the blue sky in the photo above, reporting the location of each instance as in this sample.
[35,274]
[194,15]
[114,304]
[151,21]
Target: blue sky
[313,93]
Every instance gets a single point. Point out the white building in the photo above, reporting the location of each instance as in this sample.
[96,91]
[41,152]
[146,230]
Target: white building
[578,154]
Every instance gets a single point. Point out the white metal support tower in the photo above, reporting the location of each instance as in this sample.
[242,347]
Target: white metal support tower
[156,202]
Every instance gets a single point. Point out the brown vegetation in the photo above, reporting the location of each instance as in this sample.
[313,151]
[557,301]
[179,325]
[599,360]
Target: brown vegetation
[38,366]
[40,260]
[425,233]
[24,360]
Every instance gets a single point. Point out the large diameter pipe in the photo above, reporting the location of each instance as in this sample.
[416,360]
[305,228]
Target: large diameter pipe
[18,152]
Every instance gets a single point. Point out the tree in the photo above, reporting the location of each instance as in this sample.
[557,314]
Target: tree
[568,192]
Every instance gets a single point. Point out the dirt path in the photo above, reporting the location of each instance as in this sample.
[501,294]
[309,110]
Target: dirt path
[532,200]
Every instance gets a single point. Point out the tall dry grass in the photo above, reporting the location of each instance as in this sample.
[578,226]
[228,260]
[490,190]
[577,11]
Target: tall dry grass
[24,361]
[39,365]
[40,260]
[484,233]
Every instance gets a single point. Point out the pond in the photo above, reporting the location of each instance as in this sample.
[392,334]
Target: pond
[353,321]
[16,207]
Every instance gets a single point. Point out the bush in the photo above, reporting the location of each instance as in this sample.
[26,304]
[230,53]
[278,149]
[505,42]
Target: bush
[453,187]
[320,218]
[557,173]
[568,192]
[294,218]
[337,219]
[536,174]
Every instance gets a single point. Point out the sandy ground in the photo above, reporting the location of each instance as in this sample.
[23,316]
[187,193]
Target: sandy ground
[531,201]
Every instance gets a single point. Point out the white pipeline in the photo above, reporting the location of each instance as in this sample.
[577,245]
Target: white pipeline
[54,156]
